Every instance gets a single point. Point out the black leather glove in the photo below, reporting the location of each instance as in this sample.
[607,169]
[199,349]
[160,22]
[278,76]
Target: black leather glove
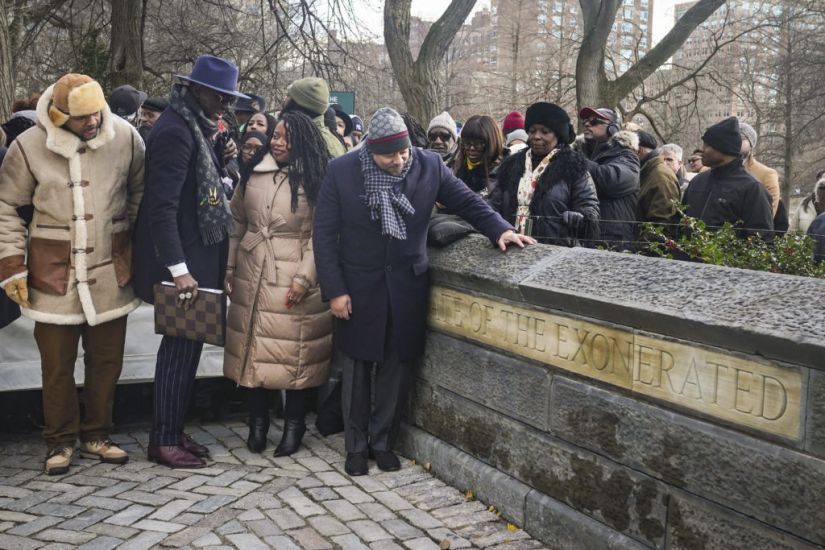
[572,219]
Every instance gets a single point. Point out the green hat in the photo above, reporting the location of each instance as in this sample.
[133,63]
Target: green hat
[311,93]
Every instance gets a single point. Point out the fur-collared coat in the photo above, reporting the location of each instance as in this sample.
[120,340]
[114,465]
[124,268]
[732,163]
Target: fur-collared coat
[86,194]
[268,344]
[564,185]
[614,166]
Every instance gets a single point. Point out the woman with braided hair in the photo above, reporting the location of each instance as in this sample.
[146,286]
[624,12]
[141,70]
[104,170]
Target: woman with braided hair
[279,333]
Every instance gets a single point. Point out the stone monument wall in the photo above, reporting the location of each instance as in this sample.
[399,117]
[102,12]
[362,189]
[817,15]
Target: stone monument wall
[604,400]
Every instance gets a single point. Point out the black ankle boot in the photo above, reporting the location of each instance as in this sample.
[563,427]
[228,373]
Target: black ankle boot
[294,430]
[258,429]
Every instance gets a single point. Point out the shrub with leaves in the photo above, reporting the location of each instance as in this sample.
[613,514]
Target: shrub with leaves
[791,254]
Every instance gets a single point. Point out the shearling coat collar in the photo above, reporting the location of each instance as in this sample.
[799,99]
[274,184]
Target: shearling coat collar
[65,143]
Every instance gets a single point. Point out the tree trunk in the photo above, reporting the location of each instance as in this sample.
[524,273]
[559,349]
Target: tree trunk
[789,93]
[592,85]
[417,79]
[7,77]
[127,43]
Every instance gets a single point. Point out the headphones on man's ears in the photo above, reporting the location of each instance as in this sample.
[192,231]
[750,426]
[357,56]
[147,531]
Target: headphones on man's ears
[614,127]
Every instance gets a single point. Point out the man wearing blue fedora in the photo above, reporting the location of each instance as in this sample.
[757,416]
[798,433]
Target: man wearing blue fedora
[181,236]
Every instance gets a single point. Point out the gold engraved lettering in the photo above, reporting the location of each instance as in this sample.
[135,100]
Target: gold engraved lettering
[750,392]
[600,351]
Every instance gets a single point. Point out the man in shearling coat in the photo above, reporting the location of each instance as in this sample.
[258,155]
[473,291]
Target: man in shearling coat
[370,242]
[82,169]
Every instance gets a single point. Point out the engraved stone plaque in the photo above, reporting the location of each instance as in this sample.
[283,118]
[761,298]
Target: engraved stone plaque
[750,392]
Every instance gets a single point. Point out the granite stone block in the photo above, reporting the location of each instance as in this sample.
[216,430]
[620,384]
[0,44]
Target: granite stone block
[510,386]
[815,430]
[743,310]
[625,500]
[563,527]
[697,523]
[761,479]
[473,263]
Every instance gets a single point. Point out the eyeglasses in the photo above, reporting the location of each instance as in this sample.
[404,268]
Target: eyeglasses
[595,122]
[251,148]
[443,136]
[694,160]
[477,145]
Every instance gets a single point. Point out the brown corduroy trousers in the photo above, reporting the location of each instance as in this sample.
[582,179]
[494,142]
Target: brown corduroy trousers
[103,357]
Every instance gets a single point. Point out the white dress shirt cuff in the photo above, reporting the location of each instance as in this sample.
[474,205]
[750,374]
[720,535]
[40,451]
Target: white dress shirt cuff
[178,269]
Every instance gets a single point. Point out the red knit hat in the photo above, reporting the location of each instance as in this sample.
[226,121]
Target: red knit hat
[512,121]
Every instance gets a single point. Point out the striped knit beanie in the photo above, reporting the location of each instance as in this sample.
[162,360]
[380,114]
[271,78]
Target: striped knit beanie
[387,132]
[512,121]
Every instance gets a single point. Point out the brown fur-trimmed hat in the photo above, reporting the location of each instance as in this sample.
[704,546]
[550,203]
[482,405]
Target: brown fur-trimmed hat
[75,95]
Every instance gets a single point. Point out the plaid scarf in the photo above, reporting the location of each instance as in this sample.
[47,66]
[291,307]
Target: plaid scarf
[384,202]
[214,217]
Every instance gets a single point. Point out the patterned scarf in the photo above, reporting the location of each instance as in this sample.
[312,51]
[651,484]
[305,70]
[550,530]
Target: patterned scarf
[384,202]
[527,187]
[214,217]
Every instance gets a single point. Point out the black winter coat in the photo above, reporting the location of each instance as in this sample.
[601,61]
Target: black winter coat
[817,232]
[564,185]
[614,166]
[387,279]
[730,194]
[166,232]
[476,179]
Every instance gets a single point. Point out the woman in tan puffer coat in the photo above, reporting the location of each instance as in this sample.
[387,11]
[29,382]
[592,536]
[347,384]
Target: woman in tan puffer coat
[279,332]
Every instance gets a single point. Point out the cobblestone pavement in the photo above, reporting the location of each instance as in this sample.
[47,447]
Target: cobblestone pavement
[241,500]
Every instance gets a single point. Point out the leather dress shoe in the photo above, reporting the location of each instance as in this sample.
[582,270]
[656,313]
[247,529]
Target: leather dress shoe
[386,460]
[294,431]
[258,430]
[194,447]
[174,456]
[356,464]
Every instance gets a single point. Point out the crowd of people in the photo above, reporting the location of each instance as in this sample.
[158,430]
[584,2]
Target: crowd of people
[316,226]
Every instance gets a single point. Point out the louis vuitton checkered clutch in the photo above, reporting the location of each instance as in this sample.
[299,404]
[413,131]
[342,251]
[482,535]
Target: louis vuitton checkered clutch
[204,321]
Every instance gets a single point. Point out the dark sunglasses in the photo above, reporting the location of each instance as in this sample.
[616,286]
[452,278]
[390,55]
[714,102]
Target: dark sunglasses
[694,160]
[443,136]
[595,122]
[225,100]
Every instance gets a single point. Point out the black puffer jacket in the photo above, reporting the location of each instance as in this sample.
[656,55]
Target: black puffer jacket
[614,167]
[564,185]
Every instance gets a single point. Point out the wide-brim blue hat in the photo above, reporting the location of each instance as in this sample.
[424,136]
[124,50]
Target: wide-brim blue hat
[215,73]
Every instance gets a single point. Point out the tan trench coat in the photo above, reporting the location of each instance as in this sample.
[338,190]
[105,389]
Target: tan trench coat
[86,194]
[269,345]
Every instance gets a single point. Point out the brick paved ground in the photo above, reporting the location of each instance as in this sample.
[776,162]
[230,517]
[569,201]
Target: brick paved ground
[240,500]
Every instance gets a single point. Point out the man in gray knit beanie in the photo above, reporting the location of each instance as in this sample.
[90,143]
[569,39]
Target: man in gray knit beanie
[442,137]
[370,245]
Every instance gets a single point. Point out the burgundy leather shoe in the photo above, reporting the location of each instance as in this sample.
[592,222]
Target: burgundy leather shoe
[174,456]
[194,447]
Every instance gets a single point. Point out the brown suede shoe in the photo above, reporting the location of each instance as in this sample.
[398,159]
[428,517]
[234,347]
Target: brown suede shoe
[104,450]
[174,456]
[58,460]
[194,447]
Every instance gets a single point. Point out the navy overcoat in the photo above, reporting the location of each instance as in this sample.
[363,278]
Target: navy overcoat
[166,231]
[386,278]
